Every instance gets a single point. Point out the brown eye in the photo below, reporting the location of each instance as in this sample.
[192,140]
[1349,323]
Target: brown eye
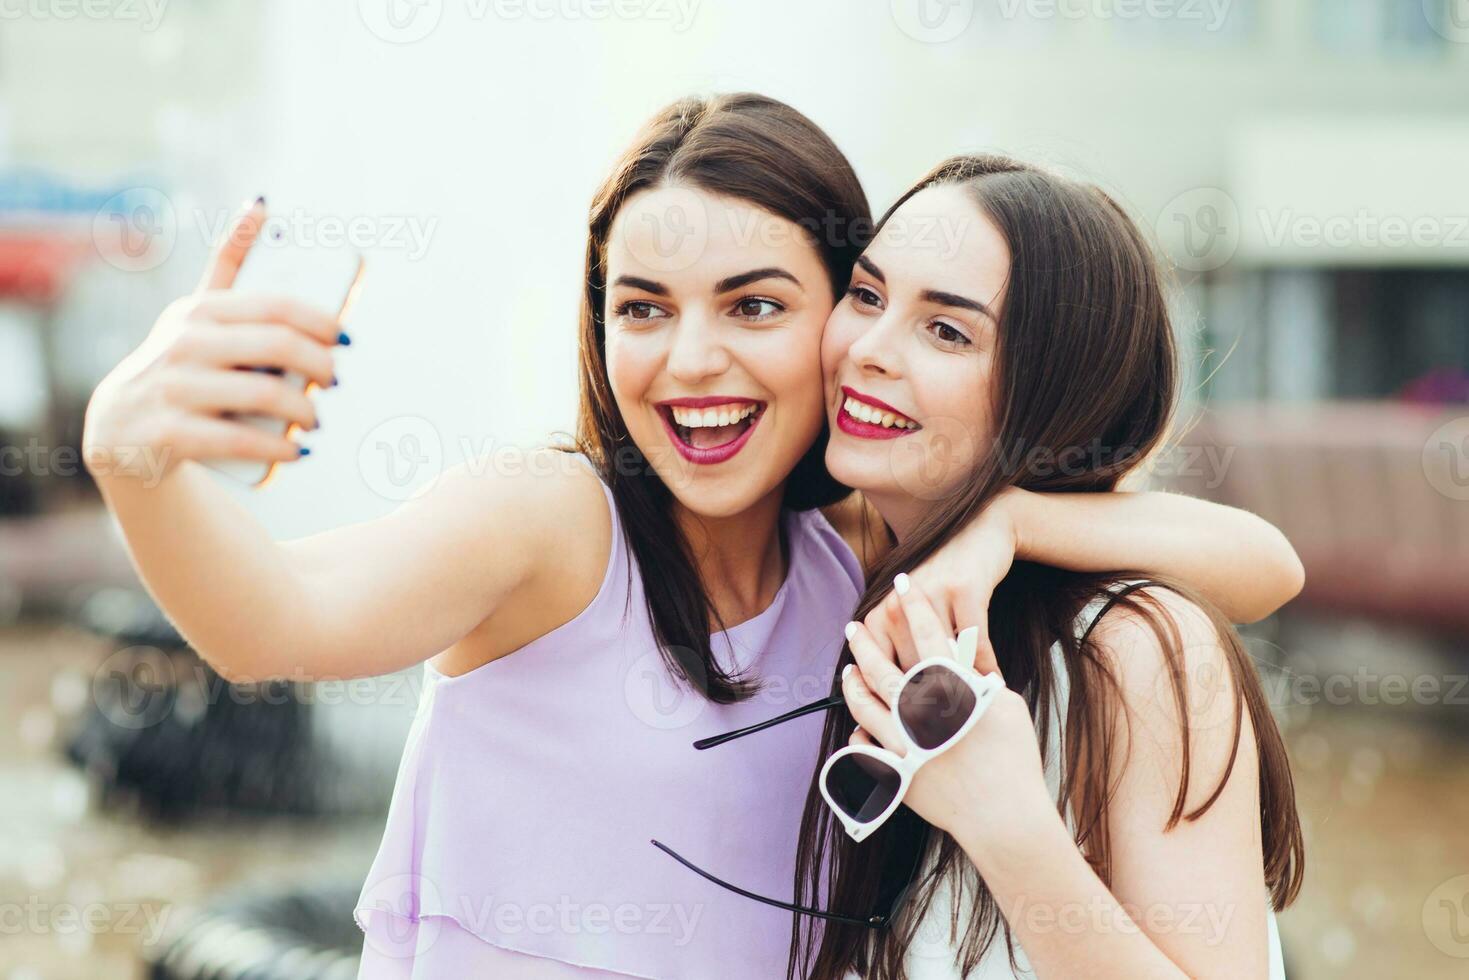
[864,296]
[754,308]
[947,334]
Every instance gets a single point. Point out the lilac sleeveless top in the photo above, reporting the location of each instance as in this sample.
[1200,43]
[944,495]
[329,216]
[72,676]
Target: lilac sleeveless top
[517,842]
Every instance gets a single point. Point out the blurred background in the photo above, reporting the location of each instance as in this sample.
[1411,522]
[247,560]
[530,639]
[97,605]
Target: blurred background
[1301,162]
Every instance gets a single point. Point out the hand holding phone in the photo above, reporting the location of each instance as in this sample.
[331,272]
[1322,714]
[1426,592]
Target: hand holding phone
[225,374]
[325,279]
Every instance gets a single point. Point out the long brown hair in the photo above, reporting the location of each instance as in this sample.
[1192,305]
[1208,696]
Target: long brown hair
[1085,386]
[763,152]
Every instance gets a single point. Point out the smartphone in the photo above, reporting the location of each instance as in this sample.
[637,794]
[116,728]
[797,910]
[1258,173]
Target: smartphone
[327,278]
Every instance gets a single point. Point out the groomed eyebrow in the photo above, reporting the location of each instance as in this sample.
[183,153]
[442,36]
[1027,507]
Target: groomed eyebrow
[754,275]
[646,285]
[933,295]
[959,302]
[872,269]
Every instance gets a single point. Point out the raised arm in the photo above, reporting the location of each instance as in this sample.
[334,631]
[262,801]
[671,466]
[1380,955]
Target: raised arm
[354,601]
[1238,561]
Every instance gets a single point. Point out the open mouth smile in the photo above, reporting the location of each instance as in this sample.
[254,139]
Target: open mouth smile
[711,429]
[868,418]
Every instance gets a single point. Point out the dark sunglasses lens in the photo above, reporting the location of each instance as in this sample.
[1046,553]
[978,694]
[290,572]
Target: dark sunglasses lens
[933,705]
[862,786]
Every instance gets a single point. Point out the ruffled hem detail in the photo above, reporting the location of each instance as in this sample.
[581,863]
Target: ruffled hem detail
[395,946]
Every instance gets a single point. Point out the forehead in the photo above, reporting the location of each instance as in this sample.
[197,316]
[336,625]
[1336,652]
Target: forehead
[941,239]
[687,238]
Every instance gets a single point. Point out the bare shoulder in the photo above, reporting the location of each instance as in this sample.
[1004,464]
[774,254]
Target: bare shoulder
[1129,637]
[530,494]
[1176,683]
[545,514]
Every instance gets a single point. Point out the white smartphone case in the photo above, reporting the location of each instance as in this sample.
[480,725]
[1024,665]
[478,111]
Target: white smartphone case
[327,278]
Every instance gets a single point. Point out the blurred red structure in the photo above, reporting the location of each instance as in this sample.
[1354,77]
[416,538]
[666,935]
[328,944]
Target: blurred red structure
[35,265]
[1374,496]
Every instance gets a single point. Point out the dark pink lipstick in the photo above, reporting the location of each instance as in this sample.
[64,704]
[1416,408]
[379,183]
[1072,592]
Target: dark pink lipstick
[854,426]
[709,455]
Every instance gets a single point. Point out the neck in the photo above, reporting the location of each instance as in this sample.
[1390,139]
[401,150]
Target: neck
[901,512]
[738,558]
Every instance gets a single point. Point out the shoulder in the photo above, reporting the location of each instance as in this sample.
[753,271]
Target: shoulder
[545,514]
[530,508]
[1176,689]
[1149,636]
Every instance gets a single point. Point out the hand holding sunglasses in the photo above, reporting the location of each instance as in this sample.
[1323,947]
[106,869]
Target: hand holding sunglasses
[925,718]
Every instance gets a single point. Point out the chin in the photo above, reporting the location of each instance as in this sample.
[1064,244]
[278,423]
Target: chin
[717,495]
[860,467]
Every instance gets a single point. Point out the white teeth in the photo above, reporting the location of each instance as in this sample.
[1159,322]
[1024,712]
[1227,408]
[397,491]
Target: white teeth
[695,418]
[866,413]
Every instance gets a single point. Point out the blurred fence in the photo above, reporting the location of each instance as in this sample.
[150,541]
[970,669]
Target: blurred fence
[1374,496]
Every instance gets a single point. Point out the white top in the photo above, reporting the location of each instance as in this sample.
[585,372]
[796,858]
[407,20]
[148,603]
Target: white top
[933,957]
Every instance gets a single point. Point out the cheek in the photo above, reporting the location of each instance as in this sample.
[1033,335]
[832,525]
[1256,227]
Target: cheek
[955,400]
[633,361]
[842,328]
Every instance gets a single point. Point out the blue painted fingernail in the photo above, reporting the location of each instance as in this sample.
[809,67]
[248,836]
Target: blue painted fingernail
[342,338]
[334,382]
[303,450]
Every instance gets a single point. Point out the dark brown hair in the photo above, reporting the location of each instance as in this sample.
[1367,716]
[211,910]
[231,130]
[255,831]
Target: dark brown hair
[766,154]
[1084,325]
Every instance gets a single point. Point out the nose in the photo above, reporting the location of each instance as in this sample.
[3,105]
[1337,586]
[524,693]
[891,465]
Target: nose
[697,350]
[876,352]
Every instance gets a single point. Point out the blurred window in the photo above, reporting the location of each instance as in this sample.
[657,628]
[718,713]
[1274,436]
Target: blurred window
[1381,26]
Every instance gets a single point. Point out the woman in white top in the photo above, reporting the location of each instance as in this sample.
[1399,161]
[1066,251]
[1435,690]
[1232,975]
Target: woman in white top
[1124,808]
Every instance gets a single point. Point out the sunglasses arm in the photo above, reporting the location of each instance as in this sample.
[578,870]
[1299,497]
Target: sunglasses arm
[825,704]
[874,922]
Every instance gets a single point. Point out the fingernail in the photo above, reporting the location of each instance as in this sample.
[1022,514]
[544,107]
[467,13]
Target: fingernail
[850,630]
[334,382]
[315,424]
[303,450]
[845,671]
[259,200]
[901,583]
[342,338]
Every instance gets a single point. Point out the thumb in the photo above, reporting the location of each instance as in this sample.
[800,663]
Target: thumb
[976,616]
[230,254]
